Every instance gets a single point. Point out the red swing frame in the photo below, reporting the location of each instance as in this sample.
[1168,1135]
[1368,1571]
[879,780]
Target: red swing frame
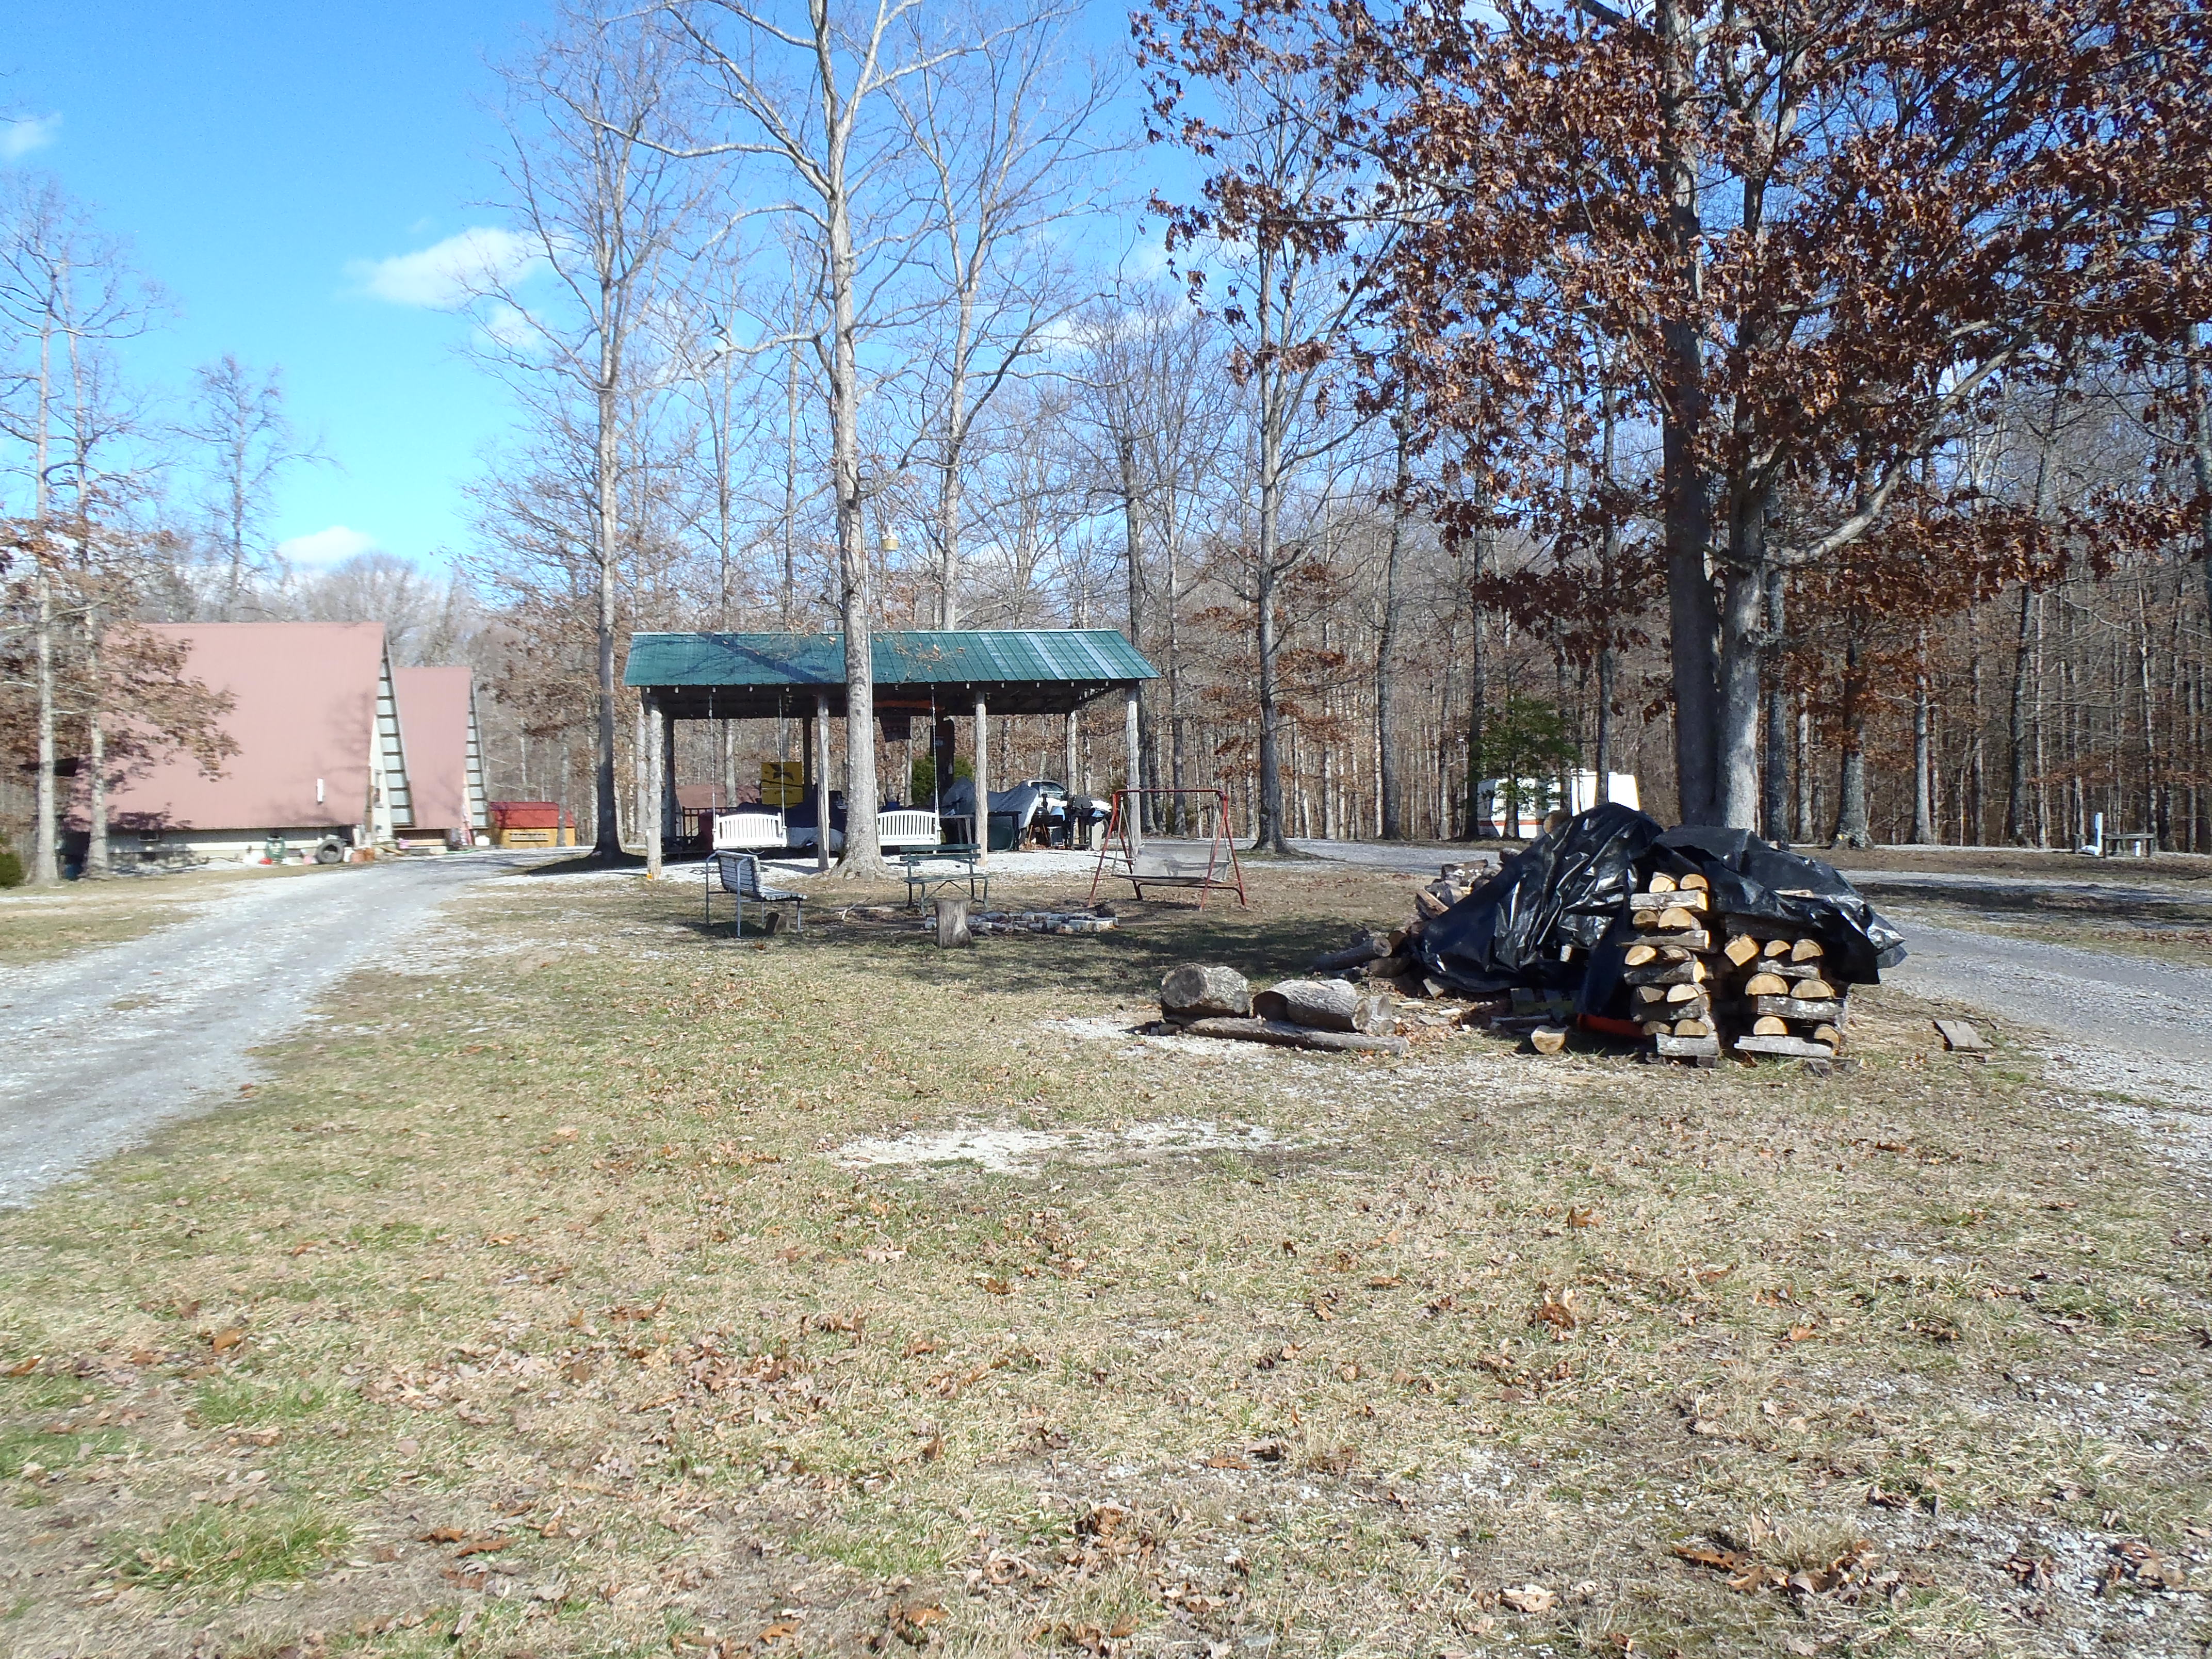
[1221,844]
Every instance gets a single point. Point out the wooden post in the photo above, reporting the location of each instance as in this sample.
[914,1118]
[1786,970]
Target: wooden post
[1075,786]
[672,816]
[1132,820]
[982,784]
[655,762]
[952,921]
[821,761]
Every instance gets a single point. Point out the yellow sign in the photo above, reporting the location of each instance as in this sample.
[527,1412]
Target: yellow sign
[783,783]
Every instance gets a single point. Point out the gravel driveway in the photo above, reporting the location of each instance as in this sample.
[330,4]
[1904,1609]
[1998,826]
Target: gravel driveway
[98,1048]
[2110,1023]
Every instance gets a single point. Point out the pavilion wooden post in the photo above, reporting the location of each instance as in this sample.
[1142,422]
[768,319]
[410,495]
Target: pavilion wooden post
[1133,819]
[821,761]
[982,782]
[655,762]
[672,816]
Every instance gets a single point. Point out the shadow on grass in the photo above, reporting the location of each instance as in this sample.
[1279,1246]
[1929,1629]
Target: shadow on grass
[588,864]
[1127,962]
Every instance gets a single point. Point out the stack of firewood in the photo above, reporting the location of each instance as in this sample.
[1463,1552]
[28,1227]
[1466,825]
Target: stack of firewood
[1674,971]
[1785,1005]
[1697,976]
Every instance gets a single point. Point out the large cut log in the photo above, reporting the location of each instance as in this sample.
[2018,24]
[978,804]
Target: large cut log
[1547,1039]
[952,921]
[1689,971]
[1783,1047]
[1818,1013]
[1326,1004]
[1688,1048]
[1282,1036]
[1368,947]
[1429,904]
[1195,990]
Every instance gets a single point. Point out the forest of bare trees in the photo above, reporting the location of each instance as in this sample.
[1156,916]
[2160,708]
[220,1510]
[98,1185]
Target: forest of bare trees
[1803,409]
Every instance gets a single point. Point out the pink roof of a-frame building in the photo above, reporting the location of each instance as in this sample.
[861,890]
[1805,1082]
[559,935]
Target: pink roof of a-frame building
[303,708]
[434,727]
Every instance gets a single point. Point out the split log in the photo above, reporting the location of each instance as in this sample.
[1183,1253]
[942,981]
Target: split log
[1829,1035]
[1740,949]
[1766,984]
[1662,882]
[1365,948]
[1694,1027]
[1684,993]
[1776,947]
[1815,990]
[1657,1028]
[1669,900]
[1636,955]
[1689,971]
[1428,903]
[1281,1036]
[1391,968]
[1694,883]
[1817,1013]
[1770,1025]
[1194,990]
[1325,1005]
[1783,1048]
[1805,950]
[1547,1039]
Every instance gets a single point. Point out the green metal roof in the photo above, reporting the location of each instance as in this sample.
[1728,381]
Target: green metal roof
[1019,671]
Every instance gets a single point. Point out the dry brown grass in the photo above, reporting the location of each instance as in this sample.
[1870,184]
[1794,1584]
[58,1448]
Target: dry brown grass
[41,924]
[529,1298]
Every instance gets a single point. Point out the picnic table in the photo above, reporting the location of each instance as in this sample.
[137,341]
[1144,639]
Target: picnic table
[940,869]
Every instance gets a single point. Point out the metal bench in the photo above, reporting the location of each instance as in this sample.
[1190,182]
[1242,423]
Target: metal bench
[739,875]
[921,881]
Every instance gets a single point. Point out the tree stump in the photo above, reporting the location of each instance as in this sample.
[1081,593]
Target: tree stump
[952,921]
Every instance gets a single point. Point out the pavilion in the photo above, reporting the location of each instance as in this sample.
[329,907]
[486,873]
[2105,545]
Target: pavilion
[933,674]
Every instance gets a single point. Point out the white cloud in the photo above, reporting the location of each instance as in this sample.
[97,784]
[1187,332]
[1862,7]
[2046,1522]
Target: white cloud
[448,274]
[322,549]
[19,138]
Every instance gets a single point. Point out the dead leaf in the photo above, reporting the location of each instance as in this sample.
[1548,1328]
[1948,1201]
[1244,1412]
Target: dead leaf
[25,1367]
[486,1546]
[1226,1461]
[777,1632]
[920,1344]
[1583,1217]
[566,1132]
[1555,1309]
[997,1286]
[442,1535]
[1528,1598]
[224,1341]
[1385,1281]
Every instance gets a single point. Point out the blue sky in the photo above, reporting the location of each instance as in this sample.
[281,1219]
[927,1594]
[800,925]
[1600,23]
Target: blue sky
[255,155]
[263,159]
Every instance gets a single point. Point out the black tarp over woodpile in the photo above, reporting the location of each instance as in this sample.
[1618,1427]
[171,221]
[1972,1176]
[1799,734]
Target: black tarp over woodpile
[1556,916]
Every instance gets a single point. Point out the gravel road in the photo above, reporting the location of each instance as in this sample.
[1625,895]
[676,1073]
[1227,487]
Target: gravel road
[2109,1023]
[98,1048]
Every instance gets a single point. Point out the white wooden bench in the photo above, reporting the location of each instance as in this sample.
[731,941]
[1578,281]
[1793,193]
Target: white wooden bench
[737,832]
[739,875]
[907,827]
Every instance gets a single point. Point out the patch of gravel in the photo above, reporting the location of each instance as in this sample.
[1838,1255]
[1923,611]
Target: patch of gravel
[1003,1150]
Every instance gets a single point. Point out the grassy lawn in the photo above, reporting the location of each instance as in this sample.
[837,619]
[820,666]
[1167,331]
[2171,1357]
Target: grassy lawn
[610,1286]
[38,925]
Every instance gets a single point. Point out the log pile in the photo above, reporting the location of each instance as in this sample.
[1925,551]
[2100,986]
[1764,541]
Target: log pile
[1206,999]
[1696,977]
[1391,962]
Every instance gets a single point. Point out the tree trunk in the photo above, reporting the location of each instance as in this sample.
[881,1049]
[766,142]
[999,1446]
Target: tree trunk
[96,751]
[607,842]
[1692,617]
[46,836]
[1923,803]
[1774,813]
[2017,772]
[863,860]
[1851,826]
[1386,654]
[1477,683]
